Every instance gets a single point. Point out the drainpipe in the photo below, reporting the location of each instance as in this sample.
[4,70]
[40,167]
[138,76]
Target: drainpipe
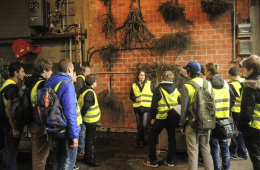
[234,60]
[70,49]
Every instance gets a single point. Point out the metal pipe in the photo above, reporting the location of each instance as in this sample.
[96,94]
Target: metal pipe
[67,13]
[70,49]
[116,73]
[234,33]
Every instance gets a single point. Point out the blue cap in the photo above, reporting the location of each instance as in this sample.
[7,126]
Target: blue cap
[193,67]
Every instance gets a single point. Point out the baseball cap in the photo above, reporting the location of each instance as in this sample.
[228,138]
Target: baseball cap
[193,67]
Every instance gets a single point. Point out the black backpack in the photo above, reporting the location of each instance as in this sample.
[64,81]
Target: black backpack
[202,109]
[3,119]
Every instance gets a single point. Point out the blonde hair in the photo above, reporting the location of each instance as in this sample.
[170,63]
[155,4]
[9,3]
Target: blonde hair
[212,68]
[64,64]
[168,76]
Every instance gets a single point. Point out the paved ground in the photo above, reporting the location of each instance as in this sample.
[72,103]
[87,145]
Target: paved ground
[116,151]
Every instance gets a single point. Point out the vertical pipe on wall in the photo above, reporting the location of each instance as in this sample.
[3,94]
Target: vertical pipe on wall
[70,49]
[234,32]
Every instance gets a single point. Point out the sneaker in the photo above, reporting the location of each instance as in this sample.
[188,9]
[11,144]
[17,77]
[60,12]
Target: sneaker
[169,163]
[234,156]
[81,153]
[75,167]
[153,164]
[91,163]
[200,161]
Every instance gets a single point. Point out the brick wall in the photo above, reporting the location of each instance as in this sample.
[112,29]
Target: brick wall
[213,42]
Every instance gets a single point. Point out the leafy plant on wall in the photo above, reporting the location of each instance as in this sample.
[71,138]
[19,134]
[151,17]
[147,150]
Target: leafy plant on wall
[215,7]
[4,73]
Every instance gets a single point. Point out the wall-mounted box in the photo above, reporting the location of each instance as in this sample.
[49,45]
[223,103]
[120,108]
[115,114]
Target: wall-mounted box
[243,30]
[244,47]
[38,13]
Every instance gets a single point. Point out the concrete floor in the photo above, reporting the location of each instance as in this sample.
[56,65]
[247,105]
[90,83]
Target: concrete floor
[116,151]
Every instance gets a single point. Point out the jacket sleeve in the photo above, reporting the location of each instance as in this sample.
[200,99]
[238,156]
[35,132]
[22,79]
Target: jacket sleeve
[68,102]
[79,84]
[185,101]
[232,97]
[152,87]
[89,101]
[156,98]
[132,95]
[247,108]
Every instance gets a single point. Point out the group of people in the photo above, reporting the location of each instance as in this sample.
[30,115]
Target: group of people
[239,98]
[79,104]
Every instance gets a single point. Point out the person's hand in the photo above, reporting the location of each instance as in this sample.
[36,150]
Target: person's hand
[152,121]
[16,133]
[137,100]
[75,143]
[183,131]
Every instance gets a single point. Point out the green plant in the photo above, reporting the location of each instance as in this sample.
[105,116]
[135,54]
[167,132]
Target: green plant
[4,73]
[215,7]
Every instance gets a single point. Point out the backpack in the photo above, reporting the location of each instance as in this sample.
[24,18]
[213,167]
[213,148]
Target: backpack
[48,113]
[202,109]
[21,108]
[3,119]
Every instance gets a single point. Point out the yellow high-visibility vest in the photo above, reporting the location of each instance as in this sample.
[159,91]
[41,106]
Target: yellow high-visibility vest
[93,114]
[172,100]
[237,86]
[255,123]
[82,77]
[6,83]
[145,96]
[33,95]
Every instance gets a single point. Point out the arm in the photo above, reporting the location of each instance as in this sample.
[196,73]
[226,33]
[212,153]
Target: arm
[247,108]
[152,87]
[185,101]
[132,95]
[156,97]
[79,84]
[88,101]
[232,98]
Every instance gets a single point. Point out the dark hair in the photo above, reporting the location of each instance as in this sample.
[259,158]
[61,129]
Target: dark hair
[64,64]
[90,79]
[137,76]
[41,65]
[193,75]
[234,71]
[202,69]
[15,66]
[83,68]
[252,62]
[212,68]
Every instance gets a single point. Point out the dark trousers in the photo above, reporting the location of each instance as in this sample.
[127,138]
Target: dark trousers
[253,147]
[89,138]
[141,120]
[156,129]
[11,147]
[237,145]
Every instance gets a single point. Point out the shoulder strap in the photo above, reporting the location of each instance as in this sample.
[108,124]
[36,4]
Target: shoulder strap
[194,84]
[164,98]
[6,88]
[205,84]
[60,86]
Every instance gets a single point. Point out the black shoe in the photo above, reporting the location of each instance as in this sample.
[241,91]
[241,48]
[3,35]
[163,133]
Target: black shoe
[141,144]
[169,163]
[153,164]
[91,163]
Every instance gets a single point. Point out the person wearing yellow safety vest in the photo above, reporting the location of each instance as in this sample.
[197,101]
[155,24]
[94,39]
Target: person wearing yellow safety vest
[80,82]
[249,118]
[141,94]
[40,144]
[12,132]
[66,142]
[165,92]
[194,144]
[237,146]
[224,101]
[91,114]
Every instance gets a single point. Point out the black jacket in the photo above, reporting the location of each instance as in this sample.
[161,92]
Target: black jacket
[31,81]
[218,83]
[250,96]
[78,85]
[169,87]
[133,98]
[89,99]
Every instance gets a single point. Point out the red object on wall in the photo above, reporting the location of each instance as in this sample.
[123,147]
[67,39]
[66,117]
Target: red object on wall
[23,48]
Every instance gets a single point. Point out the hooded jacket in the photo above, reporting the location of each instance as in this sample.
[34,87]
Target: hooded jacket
[250,96]
[68,101]
[89,99]
[31,81]
[169,87]
[218,83]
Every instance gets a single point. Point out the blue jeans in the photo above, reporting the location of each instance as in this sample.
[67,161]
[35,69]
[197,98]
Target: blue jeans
[156,129]
[237,145]
[141,120]
[11,147]
[90,136]
[82,134]
[223,143]
[65,156]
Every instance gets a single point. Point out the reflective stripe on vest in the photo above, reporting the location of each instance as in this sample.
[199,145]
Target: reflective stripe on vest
[82,77]
[172,100]
[237,86]
[33,95]
[222,101]
[79,119]
[93,114]
[255,123]
[6,83]
[145,96]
